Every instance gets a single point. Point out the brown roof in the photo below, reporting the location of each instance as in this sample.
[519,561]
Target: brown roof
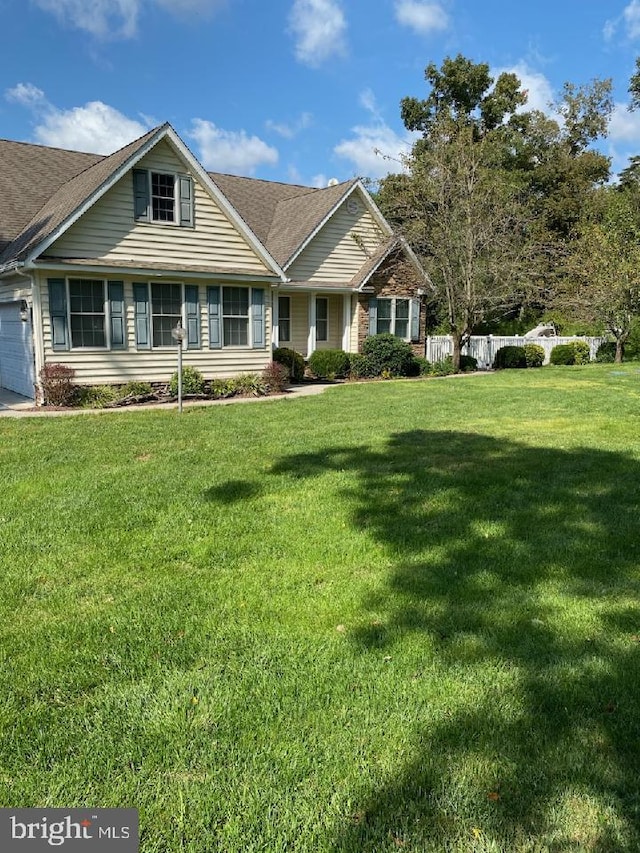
[282,216]
[69,196]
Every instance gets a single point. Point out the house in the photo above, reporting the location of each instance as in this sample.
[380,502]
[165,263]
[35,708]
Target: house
[101,258]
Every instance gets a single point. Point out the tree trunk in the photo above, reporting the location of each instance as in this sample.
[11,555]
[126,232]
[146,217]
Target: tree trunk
[456,352]
[619,350]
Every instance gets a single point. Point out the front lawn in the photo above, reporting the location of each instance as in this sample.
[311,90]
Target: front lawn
[398,616]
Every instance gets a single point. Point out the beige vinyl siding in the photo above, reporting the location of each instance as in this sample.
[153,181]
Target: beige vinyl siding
[15,287]
[299,322]
[339,249]
[108,230]
[101,366]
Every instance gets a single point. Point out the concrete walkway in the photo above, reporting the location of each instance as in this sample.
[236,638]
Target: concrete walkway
[14,406]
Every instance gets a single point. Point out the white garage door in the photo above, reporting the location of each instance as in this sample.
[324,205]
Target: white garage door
[16,351]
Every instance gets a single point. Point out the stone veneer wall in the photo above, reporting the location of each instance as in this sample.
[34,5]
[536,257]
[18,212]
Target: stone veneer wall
[394,278]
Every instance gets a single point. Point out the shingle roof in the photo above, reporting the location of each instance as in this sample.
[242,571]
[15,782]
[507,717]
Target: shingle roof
[282,216]
[69,196]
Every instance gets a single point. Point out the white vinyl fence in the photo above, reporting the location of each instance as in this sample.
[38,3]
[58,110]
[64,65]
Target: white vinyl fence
[485,347]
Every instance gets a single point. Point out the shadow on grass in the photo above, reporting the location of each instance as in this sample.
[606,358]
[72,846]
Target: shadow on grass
[233,491]
[517,569]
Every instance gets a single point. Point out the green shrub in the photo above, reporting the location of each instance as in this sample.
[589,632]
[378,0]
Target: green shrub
[56,381]
[423,366]
[249,385]
[563,354]
[292,360]
[606,352]
[442,368]
[582,353]
[276,377]
[221,388]
[360,366]
[508,358]
[577,352]
[388,355]
[192,382]
[96,396]
[329,363]
[534,355]
[468,364]
[136,389]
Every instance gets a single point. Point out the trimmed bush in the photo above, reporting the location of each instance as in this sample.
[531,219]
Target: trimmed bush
[388,355]
[329,363]
[423,366]
[360,367]
[510,358]
[136,389]
[56,381]
[249,385]
[534,355]
[577,352]
[276,377]
[96,396]
[292,360]
[468,364]
[582,353]
[606,352]
[192,382]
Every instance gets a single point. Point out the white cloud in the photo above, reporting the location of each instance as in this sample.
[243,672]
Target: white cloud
[119,18]
[540,94]
[319,28]
[288,131]
[320,181]
[423,18]
[229,150]
[624,125]
[630,19]
[375,150]
[101,18]
[94,127]
[27,95]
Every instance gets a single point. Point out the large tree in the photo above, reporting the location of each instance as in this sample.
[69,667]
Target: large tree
[604,285]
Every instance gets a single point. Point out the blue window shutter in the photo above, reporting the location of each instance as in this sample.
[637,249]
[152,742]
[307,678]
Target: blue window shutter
[141,200]
[257,317]
[193,316]
[373,315]
[116,312]
[215,325]
[185,189]
[415,319]
[141,310]
[58,313]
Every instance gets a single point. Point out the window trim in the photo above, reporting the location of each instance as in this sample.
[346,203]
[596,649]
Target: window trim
[150,285]
[143,195]
[253,316]
[324,320]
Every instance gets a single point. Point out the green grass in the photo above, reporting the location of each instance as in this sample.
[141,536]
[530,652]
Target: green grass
[400,615]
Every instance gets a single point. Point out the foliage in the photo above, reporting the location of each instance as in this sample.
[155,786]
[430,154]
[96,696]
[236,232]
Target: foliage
[386,352]
[360,366]
[329,363]
[582,352]
[442,368]
[606,353]
[276,377]
[136,389]
[510,357]
[192,382]
[96,396]
[423,366]
[534,355]
[562,354]
[292,360]
[56,382]
[249,385]
[468,364]
[220,389]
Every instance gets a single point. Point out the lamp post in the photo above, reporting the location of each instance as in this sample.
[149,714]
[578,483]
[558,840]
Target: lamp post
[179,334]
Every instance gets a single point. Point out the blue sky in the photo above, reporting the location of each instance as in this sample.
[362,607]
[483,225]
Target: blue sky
[290,90]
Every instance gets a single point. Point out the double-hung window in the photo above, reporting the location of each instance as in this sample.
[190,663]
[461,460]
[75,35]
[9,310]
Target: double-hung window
[393,316]
[166,312]
[163,197]
[284,318]
[235,316]
[87,313]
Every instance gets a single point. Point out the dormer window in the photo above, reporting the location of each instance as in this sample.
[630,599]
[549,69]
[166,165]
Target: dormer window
[162,197]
